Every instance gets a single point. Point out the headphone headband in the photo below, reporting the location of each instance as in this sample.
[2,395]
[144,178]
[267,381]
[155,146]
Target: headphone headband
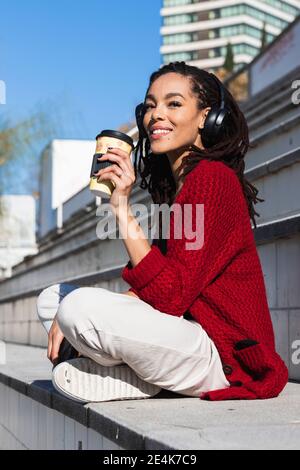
[221,90]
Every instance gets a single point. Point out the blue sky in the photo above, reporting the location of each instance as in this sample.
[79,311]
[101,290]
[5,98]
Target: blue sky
[86,61]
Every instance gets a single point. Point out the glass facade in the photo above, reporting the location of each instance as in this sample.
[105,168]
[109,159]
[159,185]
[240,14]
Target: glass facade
[180,38]
[224,32]
[236,30]
[283,6]
[185,56]
[240,49]
[179,19]
[237,10]
[279,4]
[177,3]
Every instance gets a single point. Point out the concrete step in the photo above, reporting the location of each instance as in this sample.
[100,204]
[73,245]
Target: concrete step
[34,416]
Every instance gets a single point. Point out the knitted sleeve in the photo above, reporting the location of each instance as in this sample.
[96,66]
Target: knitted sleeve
[171,282]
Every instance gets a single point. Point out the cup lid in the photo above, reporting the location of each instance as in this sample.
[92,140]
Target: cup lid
[116,135]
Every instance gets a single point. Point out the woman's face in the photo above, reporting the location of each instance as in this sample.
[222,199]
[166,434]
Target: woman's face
[170,105]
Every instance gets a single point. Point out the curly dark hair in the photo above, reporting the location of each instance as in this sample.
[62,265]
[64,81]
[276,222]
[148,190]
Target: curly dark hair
[231,150]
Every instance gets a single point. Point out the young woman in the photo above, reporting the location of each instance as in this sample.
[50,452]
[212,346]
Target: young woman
[195,321]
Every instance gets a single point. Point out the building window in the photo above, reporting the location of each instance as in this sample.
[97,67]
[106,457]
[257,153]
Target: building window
[177,38]
[241,49]
[176,3]
[235,30]
[242,9]
[281,5]
[180,56]
[179,19]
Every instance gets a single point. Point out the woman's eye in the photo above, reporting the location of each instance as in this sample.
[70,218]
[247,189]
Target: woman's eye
[174,103]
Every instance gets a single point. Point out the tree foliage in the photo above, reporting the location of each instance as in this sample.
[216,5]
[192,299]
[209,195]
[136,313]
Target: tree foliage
[229,59]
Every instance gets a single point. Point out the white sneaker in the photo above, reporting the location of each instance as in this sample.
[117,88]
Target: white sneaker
[85,381]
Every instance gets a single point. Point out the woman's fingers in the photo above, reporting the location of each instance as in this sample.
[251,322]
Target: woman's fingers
[108,173]
[122,184]
[121,163]
[113,177]
[121,157]
[54,341]
[113,168]
[49,347]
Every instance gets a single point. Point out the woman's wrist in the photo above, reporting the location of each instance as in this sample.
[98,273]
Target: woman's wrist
[123,214]
[132,234]
[122,210]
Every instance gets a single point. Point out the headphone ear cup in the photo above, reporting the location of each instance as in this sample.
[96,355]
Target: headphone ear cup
[208,131]
[139,116]
[213,130]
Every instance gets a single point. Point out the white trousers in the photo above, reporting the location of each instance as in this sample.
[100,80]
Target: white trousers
[172,352]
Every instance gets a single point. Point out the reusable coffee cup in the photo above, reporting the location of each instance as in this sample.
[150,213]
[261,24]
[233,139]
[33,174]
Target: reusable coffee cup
[106,139]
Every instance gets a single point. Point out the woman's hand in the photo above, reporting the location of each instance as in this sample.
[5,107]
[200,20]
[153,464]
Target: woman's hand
[129,292]
[55,337]
[122,174]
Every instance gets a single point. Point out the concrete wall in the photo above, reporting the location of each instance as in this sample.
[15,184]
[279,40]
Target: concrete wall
[27,424]
[273,167]
[281,267]
[279,202]
[17,231]
[277,61]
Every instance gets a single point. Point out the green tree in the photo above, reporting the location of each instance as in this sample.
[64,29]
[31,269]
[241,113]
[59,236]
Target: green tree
[264,40]
[20,149]
[20,143]
[229,59]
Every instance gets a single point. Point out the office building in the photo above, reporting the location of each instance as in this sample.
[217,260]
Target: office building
[198,32]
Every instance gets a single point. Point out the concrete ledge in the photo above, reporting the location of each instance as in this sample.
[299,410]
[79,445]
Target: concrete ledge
[266,96]
[277,129]
[273,165]
[282,228]
[82,280]
[167,421]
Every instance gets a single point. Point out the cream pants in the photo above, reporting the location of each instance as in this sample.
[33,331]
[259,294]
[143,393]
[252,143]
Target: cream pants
[172,352]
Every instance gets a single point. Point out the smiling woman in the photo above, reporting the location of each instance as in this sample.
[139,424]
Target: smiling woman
[173,126]
[199,324]
[168,157]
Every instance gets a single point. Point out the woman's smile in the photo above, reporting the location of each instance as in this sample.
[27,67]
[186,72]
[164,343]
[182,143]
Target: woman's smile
[159,134]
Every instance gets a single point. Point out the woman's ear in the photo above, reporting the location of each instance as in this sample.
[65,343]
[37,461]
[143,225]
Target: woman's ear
[203,117]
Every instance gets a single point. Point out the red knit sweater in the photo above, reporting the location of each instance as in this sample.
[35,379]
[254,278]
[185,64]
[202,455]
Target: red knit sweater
[220,284]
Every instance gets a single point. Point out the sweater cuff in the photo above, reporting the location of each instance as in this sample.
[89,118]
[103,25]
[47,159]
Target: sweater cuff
[255,358]
[146,270]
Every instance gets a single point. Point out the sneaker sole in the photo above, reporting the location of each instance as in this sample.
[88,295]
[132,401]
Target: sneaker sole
[85,381]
